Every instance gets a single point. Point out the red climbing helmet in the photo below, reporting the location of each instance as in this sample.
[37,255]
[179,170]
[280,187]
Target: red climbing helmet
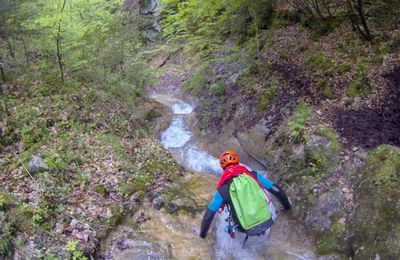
[228,157]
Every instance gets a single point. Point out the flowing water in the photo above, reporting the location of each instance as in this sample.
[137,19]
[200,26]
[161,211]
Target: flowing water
[286,241]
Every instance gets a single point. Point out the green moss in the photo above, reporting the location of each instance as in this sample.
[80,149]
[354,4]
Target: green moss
[177,198]
[332,241]
[375,222]
[137,184]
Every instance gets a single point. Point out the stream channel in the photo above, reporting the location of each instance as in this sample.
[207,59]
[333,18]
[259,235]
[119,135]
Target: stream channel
[286,240]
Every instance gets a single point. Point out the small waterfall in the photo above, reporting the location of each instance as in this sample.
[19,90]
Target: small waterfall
[180,141]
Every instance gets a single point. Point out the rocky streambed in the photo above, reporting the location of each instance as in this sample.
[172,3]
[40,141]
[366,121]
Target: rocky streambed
[328,185]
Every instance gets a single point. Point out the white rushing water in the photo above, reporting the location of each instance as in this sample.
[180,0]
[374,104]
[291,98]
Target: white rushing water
[180,141]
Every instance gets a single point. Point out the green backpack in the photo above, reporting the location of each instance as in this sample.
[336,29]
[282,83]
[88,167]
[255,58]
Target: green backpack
[250,206]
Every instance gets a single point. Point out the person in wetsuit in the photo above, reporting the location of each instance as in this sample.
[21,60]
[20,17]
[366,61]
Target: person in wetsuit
[229,162]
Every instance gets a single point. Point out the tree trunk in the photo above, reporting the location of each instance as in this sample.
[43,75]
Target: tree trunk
[58,42]
[3,76]
[360,8]
[10,49]
[26,52]
[353,18]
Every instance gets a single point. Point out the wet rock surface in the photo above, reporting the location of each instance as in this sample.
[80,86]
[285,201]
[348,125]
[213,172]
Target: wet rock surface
[151,233]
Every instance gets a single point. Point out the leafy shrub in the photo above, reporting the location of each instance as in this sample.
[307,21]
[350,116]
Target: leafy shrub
[73,250]
[42,214]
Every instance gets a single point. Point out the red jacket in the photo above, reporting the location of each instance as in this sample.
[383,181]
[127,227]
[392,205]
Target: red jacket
[232,171]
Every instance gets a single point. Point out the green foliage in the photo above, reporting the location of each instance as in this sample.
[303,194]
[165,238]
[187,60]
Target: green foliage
[363,85]
[42,215]
[270,92]
[324,89]
[217,89]
[297,125]
[2,201]
[321,159]
[210,21]
[74,252]
[343,68]
[195,84]
[358,88]
[82,180]
[318,61]
[380,53]
[323,27]
[362,70]
[6,239]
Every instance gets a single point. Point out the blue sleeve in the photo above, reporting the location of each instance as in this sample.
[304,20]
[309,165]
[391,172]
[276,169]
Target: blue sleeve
[216,202]
[265,182]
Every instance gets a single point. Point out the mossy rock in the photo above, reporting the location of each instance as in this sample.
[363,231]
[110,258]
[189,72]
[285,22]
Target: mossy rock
[298,166]
[309,161]
[375,225]
[137,184]
[332,240]
[179,198]
[322,151]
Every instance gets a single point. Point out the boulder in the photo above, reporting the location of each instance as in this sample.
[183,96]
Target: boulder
[36,164]
[320,217]
[375,227]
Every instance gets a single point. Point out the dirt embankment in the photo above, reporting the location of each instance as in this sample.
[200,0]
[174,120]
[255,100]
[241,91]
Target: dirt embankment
[370,126]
